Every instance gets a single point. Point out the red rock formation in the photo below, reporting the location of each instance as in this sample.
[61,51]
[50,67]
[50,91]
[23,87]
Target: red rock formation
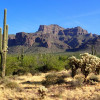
[53,36]
[23,38]
[50,29]
[73,31]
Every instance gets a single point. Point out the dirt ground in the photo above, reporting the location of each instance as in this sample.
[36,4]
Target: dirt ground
[29,86]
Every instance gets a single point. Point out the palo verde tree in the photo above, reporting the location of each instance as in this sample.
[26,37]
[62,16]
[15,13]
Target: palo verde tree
[4,44]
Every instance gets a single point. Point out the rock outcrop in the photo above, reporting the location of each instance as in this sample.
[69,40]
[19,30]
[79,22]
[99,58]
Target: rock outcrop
[54,37]
[73,31]
[53,28]
[23,38]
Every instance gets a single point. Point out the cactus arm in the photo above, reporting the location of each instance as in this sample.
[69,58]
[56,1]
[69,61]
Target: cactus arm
[4,31]
[0,40]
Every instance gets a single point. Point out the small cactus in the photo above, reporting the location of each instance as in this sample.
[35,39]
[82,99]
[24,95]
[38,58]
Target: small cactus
[42,91]
[21,57]
[93,50]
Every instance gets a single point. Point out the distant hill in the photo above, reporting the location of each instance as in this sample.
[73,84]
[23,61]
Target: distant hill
[53,38]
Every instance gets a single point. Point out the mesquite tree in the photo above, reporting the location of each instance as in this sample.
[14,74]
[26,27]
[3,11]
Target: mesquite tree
[4,44]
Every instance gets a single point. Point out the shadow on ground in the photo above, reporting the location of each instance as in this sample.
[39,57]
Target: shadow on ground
[35,82]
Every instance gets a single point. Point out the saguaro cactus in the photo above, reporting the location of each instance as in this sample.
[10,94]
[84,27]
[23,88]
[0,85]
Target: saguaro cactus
[3,44]
[93,50]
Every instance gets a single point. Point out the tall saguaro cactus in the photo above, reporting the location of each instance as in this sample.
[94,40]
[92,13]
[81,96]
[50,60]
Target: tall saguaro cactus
[4,44]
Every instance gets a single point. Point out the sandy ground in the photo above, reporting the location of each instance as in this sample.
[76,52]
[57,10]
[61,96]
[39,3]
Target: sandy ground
[30,85]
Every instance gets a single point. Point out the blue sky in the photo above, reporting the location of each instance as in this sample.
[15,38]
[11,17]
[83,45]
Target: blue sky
[27,15]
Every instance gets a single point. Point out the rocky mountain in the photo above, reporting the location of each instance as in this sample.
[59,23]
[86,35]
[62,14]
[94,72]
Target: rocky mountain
[52,38]
[53,29]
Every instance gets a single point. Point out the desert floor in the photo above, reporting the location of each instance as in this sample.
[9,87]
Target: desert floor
[29,86]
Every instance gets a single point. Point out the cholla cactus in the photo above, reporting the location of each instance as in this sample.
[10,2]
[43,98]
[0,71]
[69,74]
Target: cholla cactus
[74,63]
[88,63]
[42,91]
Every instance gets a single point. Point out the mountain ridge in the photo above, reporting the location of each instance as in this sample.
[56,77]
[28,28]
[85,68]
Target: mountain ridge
[52,38]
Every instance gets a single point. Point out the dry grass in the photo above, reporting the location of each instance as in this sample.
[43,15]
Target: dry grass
[30,85]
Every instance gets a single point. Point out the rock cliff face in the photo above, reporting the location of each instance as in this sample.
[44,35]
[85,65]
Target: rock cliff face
[53,37]
[54,29]
[73,31]
[23,38]
[11,40]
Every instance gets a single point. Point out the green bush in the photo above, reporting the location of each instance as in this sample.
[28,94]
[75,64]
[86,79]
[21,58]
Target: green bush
[12,65]
[15,66]
[50,62]
[34,63]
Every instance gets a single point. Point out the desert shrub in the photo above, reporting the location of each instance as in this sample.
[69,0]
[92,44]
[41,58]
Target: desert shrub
[69,73]
[74,83]
[52,79]
[87,62]
[65,73]
[28,74]
[50,62]
[80,79]
[30,64]
[98,77]
[17,65]
[7,83]
[3,80]
[12,85]
[14,68]
[77,81]
[21,71]
[12,65]
[63,58]
[92,79]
